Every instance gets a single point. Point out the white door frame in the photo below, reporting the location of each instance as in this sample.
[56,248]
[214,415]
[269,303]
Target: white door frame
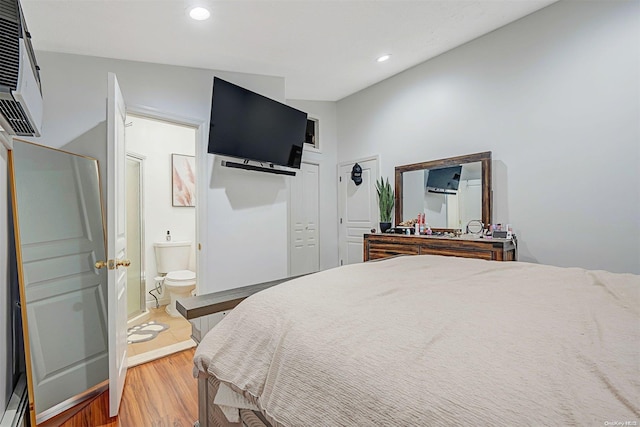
[201,177]
[310,162]
[376,158]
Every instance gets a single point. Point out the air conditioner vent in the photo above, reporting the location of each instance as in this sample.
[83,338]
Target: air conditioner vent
[9,53]
[16,117]
[20,92]
[9,10]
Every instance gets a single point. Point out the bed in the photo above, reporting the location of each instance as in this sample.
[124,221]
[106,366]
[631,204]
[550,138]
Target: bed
[429,340]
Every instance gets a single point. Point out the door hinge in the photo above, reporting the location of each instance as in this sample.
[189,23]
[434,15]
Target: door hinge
[341,262]
[340,220]
[340,179]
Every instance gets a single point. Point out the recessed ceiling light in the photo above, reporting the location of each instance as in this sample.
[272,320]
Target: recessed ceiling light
[384,58]
[199,13]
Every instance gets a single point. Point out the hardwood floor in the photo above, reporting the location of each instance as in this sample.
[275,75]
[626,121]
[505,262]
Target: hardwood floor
[162,393]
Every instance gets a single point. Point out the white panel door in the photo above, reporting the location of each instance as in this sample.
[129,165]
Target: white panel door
[358,209]
[305,203]
[116,243]
[60,237]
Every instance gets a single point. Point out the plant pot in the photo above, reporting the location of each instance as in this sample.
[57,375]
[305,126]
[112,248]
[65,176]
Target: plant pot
[384,226]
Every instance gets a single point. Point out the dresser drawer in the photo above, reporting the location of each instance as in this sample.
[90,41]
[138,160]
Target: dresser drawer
[384,250]
[457,251]
[378,246]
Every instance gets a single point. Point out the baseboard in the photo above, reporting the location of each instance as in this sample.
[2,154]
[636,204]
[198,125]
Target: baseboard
[161,302]
[16,413]
[139,359]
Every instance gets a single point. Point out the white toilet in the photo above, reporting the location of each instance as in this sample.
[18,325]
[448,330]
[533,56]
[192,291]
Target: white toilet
[172,259]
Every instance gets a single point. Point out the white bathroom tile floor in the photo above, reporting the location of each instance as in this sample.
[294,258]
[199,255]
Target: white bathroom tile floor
[176,338]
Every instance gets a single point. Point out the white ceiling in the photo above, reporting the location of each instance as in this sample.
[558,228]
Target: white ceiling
[325,49]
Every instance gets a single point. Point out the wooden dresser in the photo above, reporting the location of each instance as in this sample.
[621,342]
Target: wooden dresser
[378,246]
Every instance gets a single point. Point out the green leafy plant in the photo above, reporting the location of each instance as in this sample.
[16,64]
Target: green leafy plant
[385,199]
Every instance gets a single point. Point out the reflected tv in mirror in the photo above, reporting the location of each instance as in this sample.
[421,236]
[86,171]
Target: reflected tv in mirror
[249,126]
[444,180]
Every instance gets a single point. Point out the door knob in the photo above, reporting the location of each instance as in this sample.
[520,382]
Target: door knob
[100,264]
[123,263]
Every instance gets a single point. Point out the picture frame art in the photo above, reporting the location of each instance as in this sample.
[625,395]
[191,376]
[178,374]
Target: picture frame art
[183,180]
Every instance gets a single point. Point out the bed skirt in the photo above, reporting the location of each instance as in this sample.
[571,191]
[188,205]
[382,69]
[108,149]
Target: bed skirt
[209,411]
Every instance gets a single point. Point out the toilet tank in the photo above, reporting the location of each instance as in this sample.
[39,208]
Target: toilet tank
[172,256]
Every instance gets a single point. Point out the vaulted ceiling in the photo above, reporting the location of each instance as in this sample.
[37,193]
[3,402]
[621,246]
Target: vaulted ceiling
[325,49]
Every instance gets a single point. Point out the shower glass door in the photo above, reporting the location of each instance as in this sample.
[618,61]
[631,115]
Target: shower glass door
[136,283]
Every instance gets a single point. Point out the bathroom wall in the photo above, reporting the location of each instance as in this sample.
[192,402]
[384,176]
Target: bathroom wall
[156,141]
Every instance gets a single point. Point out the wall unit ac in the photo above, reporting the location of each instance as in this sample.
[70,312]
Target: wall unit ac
[20,92]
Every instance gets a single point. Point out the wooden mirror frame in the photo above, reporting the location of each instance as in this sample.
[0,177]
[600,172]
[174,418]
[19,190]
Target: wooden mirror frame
[484,157]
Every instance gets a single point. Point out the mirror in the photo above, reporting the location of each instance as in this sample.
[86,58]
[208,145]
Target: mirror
[450,192]
[59,235]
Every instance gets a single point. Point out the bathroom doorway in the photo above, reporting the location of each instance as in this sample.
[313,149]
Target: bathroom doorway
[153,214]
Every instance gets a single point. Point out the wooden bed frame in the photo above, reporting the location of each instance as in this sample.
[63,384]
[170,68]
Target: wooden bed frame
[203,312]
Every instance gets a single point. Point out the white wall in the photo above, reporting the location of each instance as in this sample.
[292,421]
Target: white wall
[554,96]
[156,141]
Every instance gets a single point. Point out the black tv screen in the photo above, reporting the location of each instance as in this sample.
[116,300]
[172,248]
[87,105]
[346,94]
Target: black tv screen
[249,126]
[444,180]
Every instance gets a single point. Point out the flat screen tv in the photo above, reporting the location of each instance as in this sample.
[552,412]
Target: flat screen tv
[444,180]
[249,126]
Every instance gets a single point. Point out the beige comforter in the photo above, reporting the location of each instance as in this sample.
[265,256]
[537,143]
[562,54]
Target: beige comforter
[429,340]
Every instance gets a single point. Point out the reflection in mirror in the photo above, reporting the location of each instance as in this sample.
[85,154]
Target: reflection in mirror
[59,237]
[450,192]
[451,207]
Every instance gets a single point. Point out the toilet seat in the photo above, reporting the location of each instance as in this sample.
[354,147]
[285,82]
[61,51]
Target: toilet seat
[180,278]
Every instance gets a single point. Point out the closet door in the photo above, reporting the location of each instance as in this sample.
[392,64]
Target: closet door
[304,234]
[357,207]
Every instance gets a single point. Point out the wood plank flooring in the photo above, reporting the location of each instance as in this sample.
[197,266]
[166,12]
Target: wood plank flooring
[162,393]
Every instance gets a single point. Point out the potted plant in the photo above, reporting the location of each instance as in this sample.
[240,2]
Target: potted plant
[385,203]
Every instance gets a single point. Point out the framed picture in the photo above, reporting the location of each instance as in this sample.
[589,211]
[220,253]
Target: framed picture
[183,173]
